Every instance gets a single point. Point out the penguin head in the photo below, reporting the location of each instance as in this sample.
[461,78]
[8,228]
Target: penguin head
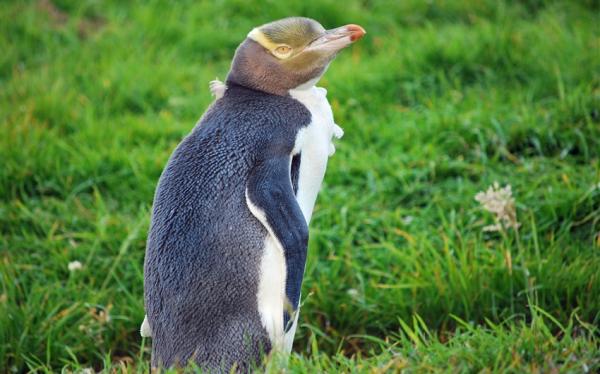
[289,53]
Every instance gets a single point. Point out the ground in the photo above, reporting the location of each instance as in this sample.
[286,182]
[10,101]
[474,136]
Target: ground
[440,100]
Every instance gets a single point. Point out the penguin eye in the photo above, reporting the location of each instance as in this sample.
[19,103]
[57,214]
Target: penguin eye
[282,51]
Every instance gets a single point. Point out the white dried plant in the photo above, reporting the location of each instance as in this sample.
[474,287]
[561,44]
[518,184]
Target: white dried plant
[501,203]
[75,266]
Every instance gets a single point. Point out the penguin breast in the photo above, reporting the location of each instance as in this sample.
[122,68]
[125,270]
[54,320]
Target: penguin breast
[313,145]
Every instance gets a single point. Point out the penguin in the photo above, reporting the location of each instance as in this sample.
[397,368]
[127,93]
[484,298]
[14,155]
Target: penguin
[228,236]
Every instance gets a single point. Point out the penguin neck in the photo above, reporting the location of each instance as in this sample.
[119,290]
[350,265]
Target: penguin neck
[234,80]
[307,85]
[311,83]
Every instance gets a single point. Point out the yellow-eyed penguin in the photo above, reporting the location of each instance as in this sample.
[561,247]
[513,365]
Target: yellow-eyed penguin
[229,230]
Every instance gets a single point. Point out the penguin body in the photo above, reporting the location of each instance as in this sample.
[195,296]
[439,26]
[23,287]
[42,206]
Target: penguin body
[205,248]
[228,237]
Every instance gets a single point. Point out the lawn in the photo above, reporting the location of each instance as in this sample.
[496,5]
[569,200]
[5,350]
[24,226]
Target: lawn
[440,100]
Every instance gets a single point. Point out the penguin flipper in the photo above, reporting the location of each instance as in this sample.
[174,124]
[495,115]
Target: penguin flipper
[270,198]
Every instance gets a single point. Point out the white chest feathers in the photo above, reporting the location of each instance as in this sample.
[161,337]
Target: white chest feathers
[314,144]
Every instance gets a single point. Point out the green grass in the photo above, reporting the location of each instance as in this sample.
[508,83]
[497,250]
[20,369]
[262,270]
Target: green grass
[438,101]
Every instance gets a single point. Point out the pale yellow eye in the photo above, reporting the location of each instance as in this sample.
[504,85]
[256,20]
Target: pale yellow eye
[282,50]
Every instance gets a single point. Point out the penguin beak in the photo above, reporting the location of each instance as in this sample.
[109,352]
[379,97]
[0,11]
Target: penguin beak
[335,39]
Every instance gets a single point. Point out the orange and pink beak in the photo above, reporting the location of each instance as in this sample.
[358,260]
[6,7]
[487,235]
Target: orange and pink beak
[335,39]
[356,32]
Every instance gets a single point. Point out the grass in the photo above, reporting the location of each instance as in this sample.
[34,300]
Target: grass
[440,100]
